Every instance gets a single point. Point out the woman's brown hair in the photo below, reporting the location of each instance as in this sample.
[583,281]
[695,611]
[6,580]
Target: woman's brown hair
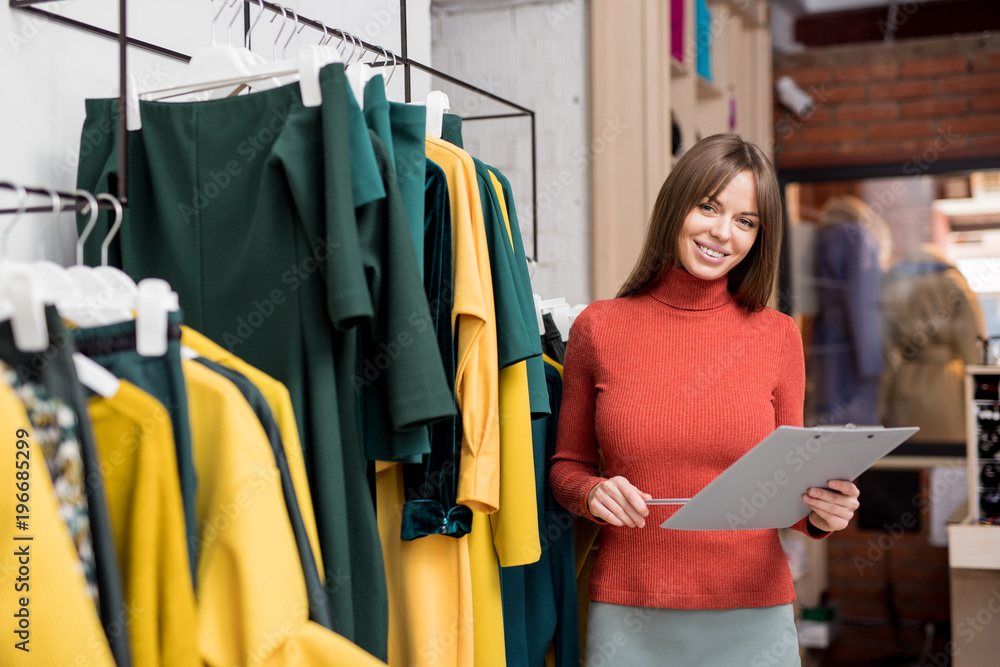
[701,173]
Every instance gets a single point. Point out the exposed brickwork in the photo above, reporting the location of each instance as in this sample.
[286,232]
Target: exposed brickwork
[870,569]
[894,102]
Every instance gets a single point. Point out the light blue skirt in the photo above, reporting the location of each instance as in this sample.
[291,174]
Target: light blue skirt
[622,636]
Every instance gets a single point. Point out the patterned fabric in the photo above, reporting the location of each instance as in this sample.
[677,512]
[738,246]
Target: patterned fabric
[56,433]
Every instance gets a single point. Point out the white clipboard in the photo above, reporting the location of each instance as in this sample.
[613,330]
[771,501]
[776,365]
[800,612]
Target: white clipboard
[764,488]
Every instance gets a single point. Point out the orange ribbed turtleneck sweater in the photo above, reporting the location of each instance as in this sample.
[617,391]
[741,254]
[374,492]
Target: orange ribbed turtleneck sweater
[674,385]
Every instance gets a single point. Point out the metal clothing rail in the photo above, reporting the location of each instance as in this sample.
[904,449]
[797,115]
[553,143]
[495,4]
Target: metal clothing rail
[68,201]
[124,41]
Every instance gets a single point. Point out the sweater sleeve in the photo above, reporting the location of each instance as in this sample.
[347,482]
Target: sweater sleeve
[789,397]
[576,465]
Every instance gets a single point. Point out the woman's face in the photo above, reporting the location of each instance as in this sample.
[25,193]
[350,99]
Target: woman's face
[718,233]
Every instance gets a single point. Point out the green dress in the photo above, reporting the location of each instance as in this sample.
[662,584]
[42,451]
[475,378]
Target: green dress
[537,392]
[246,205]
[401,366]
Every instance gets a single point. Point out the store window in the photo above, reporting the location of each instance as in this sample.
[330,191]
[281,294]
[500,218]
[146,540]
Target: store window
[895,283]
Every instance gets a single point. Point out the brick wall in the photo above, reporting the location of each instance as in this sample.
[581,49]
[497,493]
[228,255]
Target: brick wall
[867,568]
[912,101]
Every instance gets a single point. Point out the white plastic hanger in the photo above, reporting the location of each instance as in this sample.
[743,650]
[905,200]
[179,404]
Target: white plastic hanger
[358,74]
[95,377]
[22,205]
[124,285]
[54,281]
[214,63]
[154,301]
[313,58]
[562,314]
[95,306]
[20,293]
[437,105]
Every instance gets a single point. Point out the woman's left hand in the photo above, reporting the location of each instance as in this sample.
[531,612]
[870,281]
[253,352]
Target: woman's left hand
[832,509]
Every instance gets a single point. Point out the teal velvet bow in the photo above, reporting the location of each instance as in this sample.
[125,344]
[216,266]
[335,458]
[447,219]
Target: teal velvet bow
[428,517]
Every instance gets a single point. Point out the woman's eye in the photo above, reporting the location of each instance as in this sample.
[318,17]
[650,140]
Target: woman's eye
[707,208]
[746,223]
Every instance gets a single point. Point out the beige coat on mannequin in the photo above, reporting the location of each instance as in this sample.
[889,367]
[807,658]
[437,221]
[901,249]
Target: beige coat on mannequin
[931,320]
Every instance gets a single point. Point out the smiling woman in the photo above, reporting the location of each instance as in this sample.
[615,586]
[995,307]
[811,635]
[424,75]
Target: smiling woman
[723,195]
[664,388]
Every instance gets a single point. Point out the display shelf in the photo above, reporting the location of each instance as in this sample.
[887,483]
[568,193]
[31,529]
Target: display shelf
[982,398]
[753,12]
[637,77]
[974,546]
[707,89]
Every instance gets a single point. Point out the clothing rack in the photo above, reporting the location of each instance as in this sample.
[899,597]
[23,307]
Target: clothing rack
[403,59]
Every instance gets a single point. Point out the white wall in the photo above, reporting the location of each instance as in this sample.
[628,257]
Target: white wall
[535,54]
[47,71]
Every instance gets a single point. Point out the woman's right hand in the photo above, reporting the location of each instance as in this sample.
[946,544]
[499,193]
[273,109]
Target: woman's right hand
[619,503]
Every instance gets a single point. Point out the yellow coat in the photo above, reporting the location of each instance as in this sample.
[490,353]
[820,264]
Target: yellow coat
[135,443]
[280,402]
[252,604]
[63,623]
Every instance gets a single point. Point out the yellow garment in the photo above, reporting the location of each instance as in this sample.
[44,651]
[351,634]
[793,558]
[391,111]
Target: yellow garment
[429,579]
[487,603]
[63,624]
[515,523]
[280,402]
[474,319]
[252,604]
[135,443]
[430,588]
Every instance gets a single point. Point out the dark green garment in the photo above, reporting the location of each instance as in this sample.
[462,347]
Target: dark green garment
[409,140]
[432,485]
[113,346]
[54,370]
[400,373]
[451,129]
[537,392]
[377,113]
[319,604]
[540,599]
[246,205]
[515,341]
[380,443]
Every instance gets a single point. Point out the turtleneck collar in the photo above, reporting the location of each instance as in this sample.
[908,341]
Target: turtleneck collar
[679,289]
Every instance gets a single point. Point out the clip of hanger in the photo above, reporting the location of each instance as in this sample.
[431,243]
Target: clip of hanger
[538,313]
[358,73]
[133,120]
[26,305]
[95,377]
[560,311]
[154,301]
[437,105]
